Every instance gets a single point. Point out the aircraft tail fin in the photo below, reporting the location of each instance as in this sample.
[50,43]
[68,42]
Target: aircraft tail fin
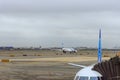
[99,48]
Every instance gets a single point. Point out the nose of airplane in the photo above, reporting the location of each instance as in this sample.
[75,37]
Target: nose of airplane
[87,73]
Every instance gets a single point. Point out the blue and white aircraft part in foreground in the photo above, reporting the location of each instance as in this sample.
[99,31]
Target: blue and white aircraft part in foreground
[87,73]
[99,48]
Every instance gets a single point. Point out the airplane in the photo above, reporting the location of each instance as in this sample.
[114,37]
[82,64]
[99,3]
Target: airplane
[87,73]
[70,50]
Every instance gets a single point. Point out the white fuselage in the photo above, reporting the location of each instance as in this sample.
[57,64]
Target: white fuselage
[71,50]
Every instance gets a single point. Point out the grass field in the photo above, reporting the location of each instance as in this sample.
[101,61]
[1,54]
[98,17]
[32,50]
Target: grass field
[45,64]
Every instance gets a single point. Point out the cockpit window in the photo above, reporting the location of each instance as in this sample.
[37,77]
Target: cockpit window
[95,78]
[83,78]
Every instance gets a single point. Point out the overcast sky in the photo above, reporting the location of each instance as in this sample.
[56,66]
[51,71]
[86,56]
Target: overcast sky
[49,23]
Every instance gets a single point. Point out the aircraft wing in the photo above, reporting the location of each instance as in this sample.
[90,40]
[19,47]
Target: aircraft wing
[77,65]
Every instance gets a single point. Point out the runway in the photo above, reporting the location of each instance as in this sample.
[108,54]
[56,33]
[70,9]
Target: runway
[58,59]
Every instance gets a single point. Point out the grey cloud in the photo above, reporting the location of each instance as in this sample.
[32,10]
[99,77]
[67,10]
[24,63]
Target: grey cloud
[51,22]
[58,5]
